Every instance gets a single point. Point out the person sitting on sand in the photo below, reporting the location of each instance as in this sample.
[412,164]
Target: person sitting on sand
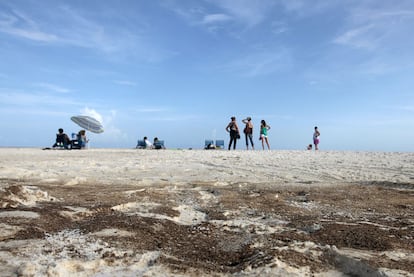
[309,147]
[62,139]
[148,144]
[210,146]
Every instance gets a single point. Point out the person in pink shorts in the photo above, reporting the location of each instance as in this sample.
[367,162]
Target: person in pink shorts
[316,135]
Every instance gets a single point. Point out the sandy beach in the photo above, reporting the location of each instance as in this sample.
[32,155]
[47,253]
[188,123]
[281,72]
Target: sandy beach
[129,212]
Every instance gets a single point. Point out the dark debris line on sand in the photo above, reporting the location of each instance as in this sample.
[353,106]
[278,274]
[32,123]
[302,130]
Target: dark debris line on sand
[375,218]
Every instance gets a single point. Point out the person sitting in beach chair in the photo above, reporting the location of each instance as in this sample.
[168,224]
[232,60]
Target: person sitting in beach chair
[144,144]
[209,144]
[82,138]
[158,144]
[62,140]
[79,140]
[147,143]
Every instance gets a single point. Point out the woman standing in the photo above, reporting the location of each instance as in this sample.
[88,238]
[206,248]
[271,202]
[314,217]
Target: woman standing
[263,133]
[233,129]
[248,131]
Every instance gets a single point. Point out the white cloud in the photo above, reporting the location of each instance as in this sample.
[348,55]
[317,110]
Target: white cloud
[30,34]
[374,40]
[92,113]
[247,12]
[377,26]
[75,28]
[261,63]
[125,83]
[360,37]
[18,98]
[53,87]
[17,24]
[151,109]
[306,8]
[112,134]
[215,18]
[244,12]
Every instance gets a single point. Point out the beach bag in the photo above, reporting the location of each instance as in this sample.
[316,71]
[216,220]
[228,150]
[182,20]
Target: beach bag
[247,130]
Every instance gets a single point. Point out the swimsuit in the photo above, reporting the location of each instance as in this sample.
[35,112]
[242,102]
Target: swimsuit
[315,139]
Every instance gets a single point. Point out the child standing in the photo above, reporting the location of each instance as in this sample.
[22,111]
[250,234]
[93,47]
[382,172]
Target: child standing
[316,135]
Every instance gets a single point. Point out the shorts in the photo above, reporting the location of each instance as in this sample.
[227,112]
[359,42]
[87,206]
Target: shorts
[316,141]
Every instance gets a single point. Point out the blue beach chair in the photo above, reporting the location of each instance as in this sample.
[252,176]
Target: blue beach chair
[220,143]
[208,143]
[159,144]
[141,144]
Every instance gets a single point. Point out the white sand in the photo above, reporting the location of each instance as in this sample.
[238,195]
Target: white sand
[171,170]
[175,167]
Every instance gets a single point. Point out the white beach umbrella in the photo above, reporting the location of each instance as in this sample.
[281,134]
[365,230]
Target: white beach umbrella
[88,123]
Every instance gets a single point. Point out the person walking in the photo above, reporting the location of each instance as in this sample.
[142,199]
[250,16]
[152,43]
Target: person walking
[233,129]
[316,135]
[263,134]
[248,132]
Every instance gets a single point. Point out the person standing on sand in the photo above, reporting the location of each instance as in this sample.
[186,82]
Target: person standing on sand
[316,135]
[233,129]
[248,132]
[263,134]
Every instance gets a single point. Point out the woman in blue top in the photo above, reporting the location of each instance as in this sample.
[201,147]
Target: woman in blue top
[263,133]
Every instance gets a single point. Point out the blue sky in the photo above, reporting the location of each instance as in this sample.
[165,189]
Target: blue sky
[179,69]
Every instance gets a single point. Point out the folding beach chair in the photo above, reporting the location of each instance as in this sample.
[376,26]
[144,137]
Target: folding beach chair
[209,144]
[159,144]
[75,142]
[220,143]
[141,144]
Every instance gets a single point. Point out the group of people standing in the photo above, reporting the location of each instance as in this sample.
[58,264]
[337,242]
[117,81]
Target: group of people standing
[234,131]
